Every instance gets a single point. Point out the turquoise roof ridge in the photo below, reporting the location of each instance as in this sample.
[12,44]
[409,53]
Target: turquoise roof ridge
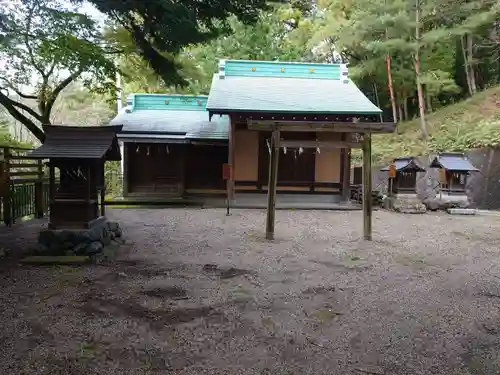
[282,69]
[172,102]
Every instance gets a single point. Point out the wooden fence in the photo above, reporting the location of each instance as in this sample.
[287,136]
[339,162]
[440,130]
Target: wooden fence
[24,186]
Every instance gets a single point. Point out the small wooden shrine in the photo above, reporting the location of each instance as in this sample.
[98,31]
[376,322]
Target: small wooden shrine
[403,175]
[79,153]
[455,169]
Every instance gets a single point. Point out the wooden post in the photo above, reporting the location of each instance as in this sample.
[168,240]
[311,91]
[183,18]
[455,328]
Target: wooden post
[271,188]
[367,186]
[7,193]
[103,201]
[230,161]
[346,173]
[39,204]
[125,161]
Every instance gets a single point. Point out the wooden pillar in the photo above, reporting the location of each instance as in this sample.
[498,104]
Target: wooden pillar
[39,204]
[271,186]
[345,170]
[230,160]
[125,162]
[367,186]
[7,194]
[103,202]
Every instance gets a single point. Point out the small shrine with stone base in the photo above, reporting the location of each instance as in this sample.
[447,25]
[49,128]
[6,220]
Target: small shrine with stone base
[402,186]
[454,170]
[77,222]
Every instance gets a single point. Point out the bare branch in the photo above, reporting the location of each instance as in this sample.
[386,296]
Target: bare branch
[26,39]
[22,95]
[26,108]
[14,112]
[50,101]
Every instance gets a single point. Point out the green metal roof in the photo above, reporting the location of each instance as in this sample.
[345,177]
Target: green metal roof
[166,116]
[263,86]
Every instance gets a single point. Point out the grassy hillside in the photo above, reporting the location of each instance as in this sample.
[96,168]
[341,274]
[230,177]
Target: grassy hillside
[472,123]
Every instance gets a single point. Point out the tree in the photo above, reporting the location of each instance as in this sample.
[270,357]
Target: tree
[281,33]
[46,46]
[161,29]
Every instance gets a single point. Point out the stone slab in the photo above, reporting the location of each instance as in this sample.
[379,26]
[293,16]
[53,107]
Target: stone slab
[461,211]
[48,260]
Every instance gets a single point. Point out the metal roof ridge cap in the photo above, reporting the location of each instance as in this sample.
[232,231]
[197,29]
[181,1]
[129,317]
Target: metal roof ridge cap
[286,62]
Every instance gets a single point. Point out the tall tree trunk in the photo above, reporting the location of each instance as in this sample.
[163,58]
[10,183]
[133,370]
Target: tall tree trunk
[421,103]
[400,108]
[470,55]
[405,106]
[463,44]
[428,98]
[391,88]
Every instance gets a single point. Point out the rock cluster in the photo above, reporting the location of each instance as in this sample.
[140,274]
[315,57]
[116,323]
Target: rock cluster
[78,241]
[407,204]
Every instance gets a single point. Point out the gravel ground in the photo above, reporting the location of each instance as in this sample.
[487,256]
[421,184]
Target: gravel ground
[196,292]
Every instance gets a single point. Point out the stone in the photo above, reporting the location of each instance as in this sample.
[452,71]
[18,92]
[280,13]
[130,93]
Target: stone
[113,226]
[46,237]
[80,248]
[42,249]
[66,260]
[67,245]
[119,233]
[444,201]
[106,238]
[56,248]
[94,248]
[461,211]
[81,236]
[408,204]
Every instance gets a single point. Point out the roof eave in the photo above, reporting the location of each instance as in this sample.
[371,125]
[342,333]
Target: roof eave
[220,111]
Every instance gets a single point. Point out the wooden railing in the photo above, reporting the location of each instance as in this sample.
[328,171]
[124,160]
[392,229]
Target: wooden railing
[24,188]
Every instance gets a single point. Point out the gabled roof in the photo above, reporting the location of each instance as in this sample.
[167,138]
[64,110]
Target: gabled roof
[77,142]
[453,161]
[278,87]
[406,164]
[162,117]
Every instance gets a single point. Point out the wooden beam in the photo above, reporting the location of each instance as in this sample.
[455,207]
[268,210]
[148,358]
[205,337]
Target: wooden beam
[272,182]
[367,187]
[303,126]
[321,144]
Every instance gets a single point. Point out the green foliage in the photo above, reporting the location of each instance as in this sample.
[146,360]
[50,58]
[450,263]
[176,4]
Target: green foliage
[473,123]
[47,45]
[270,38]
[161,29]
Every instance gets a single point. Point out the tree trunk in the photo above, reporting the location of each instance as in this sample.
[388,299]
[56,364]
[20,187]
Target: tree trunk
[421,104]
[405,106]
[470,55]
[400,108]
[391,88]
[428,98]
[466,62]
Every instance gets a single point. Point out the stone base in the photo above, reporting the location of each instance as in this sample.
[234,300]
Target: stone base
[444,201]
[79,241]
[461,211]
[406,204]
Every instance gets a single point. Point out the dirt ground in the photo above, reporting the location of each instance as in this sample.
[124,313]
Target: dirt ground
[196,292]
